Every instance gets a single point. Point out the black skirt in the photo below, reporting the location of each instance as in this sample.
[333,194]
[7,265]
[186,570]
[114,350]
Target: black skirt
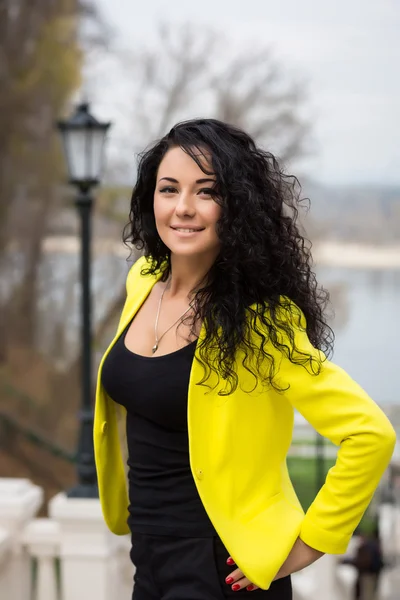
[183,568]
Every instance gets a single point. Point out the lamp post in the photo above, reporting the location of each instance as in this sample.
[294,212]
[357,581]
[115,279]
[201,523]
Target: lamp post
[83,141]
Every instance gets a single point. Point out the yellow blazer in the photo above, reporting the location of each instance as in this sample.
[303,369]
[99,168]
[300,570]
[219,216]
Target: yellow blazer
[238,446]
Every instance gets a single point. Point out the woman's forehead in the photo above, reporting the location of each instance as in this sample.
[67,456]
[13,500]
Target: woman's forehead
[178,158]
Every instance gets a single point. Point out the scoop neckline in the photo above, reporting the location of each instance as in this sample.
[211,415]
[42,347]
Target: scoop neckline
[143,357]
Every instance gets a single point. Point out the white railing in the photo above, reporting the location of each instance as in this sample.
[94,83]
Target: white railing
[69,556]
[72,556]
[41,538]
[5,559]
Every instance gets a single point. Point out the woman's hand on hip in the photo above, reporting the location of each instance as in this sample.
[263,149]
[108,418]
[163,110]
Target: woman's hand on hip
[237,579]
[300,556]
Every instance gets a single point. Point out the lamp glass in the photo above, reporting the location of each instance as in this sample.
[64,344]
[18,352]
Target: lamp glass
[83,140]
[96,154]
[76,150]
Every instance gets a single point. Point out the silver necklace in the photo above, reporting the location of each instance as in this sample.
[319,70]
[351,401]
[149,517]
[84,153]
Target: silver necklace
[158,339]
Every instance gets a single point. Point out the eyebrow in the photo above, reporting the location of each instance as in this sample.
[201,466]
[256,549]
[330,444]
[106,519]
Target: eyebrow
[204,180]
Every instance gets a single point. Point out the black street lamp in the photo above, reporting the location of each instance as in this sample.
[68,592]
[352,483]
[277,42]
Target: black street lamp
[83,140]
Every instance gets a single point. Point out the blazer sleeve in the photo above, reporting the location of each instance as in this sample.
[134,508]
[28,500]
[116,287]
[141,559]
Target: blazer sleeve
[340,410]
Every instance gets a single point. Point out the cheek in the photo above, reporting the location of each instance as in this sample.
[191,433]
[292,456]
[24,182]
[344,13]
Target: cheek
[159,209]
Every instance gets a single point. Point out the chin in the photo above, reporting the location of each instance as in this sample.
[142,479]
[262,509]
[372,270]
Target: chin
[188,251]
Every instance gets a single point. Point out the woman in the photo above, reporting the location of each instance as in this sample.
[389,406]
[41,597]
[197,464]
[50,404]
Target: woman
[221,337]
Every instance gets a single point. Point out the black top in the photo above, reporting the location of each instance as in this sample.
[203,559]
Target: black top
[162,493]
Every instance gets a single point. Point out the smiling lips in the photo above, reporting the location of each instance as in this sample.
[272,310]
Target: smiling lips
[188,229]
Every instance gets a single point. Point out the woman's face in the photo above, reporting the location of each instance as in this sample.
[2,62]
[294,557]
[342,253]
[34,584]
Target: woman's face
[185,212]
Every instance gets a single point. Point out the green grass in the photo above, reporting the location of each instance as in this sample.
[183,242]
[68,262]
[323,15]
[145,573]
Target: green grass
[309,442]
[303,473]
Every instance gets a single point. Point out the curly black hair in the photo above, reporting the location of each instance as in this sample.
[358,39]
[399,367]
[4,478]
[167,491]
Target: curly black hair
[264,268]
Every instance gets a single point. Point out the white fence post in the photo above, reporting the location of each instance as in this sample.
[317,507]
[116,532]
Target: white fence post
[42,538]
[324,579]
[19,502]
[388,530]
[87,549]
[5,556]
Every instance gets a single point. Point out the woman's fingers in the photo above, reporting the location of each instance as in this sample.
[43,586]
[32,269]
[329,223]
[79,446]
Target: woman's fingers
[238,581]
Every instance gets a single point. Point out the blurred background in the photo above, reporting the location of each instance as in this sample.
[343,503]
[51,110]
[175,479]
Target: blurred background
[315,83]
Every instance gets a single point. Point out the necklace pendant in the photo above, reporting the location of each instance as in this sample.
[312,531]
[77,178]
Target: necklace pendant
[154,348]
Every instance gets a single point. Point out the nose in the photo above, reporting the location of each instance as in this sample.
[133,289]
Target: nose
[185,206]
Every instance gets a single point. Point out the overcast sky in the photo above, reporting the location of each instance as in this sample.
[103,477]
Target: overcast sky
[348,50]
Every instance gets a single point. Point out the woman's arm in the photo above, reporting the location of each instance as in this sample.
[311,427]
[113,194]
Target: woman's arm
[301,556]
[340,410]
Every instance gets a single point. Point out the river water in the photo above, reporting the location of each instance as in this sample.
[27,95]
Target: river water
[367,327]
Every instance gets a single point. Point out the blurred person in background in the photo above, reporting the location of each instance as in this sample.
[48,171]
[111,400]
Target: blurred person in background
[368,560]
[221,337]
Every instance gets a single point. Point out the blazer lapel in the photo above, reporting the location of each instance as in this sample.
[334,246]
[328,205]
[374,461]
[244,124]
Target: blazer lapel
[136,295]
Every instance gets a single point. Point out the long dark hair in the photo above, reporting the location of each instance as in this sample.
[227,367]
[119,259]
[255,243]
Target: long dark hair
[263,273]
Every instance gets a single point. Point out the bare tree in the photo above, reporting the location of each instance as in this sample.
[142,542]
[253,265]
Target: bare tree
[253,92]
[41,49]
[169,78]
[41,46]
[185,73]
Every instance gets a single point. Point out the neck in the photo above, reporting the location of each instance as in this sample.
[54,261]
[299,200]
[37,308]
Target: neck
[186,274]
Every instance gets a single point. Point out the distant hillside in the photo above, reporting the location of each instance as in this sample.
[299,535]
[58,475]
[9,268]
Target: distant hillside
[357,213]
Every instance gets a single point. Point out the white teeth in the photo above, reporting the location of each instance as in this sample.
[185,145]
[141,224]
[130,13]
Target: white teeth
[187,230]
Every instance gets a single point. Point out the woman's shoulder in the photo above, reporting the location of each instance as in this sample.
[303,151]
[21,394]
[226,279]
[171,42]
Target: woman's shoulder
[137,266]
[138,273]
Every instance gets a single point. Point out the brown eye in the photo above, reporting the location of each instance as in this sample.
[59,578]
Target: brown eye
[207,192]
[167,190]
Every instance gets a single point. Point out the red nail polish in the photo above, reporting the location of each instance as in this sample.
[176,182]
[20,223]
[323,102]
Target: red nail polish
[236,587]
[250,588]
[230,561]
[229,580]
